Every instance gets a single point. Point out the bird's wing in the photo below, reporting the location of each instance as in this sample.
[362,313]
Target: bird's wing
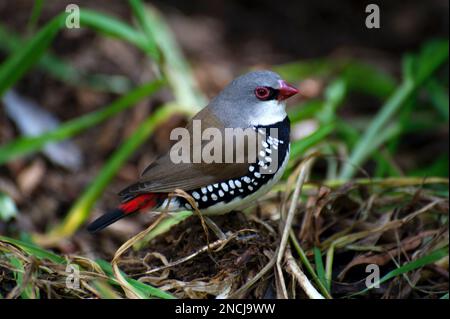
[165,176]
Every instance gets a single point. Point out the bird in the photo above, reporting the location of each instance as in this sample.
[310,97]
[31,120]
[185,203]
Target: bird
[254,101]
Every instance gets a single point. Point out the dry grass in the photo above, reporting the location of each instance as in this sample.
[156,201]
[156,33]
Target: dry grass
[352,225]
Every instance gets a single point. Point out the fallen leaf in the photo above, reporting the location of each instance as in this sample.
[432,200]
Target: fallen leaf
[33,120]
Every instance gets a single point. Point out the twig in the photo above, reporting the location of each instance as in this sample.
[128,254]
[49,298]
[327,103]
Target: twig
[304,170]
[308,266]
[303,281]
[238,293]
[186,196]
[128,289]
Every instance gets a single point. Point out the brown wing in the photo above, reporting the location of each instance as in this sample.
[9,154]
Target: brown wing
[165,176]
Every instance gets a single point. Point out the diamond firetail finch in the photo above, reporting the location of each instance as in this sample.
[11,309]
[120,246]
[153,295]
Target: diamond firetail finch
[254,101]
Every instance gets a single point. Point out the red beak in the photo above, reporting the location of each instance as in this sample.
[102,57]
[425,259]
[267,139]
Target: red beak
[285,90]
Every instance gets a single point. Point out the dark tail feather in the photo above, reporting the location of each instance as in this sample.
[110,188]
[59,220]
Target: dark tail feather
[133,205]
[106,220]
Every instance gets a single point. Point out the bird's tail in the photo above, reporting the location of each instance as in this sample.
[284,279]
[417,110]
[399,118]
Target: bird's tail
[136,204]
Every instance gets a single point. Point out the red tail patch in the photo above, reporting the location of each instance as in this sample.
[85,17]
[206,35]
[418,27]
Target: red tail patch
[139,202]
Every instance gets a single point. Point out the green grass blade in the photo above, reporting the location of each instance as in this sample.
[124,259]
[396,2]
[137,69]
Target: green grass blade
[415,74]
[175,67]
[350,135]
[431,56]
[334,96]
[29,291]
[105,290]
[418,263]
[63,71]
[437,168]
[439,97]
[298,148]
[34,250]
[358,76]
[364,146]
[26,145]
[146,26]
[368,79]
[320,269]
[415,264]
[35,14]
[296,71]
[144,289]
[306,110]
[22,60]
[27,55]
[113,27]
[329,266]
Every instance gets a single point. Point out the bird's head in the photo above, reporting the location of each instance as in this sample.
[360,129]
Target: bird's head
[255,98]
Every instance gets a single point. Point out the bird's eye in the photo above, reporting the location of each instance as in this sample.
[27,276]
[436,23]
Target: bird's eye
[262,93]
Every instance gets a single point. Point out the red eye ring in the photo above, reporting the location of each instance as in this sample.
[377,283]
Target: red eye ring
[262,92]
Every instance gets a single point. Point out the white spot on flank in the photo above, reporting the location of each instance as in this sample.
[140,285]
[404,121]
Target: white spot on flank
[214,196]
[216,185]
[257,175]
[238,183]
[221,193]
[246,179]
[224,186]
[204,198]
[231,183]
[268,159]
[251,168]
[262,153]
[264,143]
[196,195]
[210,188]
[204,190]
[250,187]
[188,206]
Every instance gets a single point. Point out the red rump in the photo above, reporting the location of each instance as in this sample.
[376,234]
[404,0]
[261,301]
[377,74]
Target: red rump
[139,202]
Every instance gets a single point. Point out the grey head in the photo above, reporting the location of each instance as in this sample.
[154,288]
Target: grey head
[255,98]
